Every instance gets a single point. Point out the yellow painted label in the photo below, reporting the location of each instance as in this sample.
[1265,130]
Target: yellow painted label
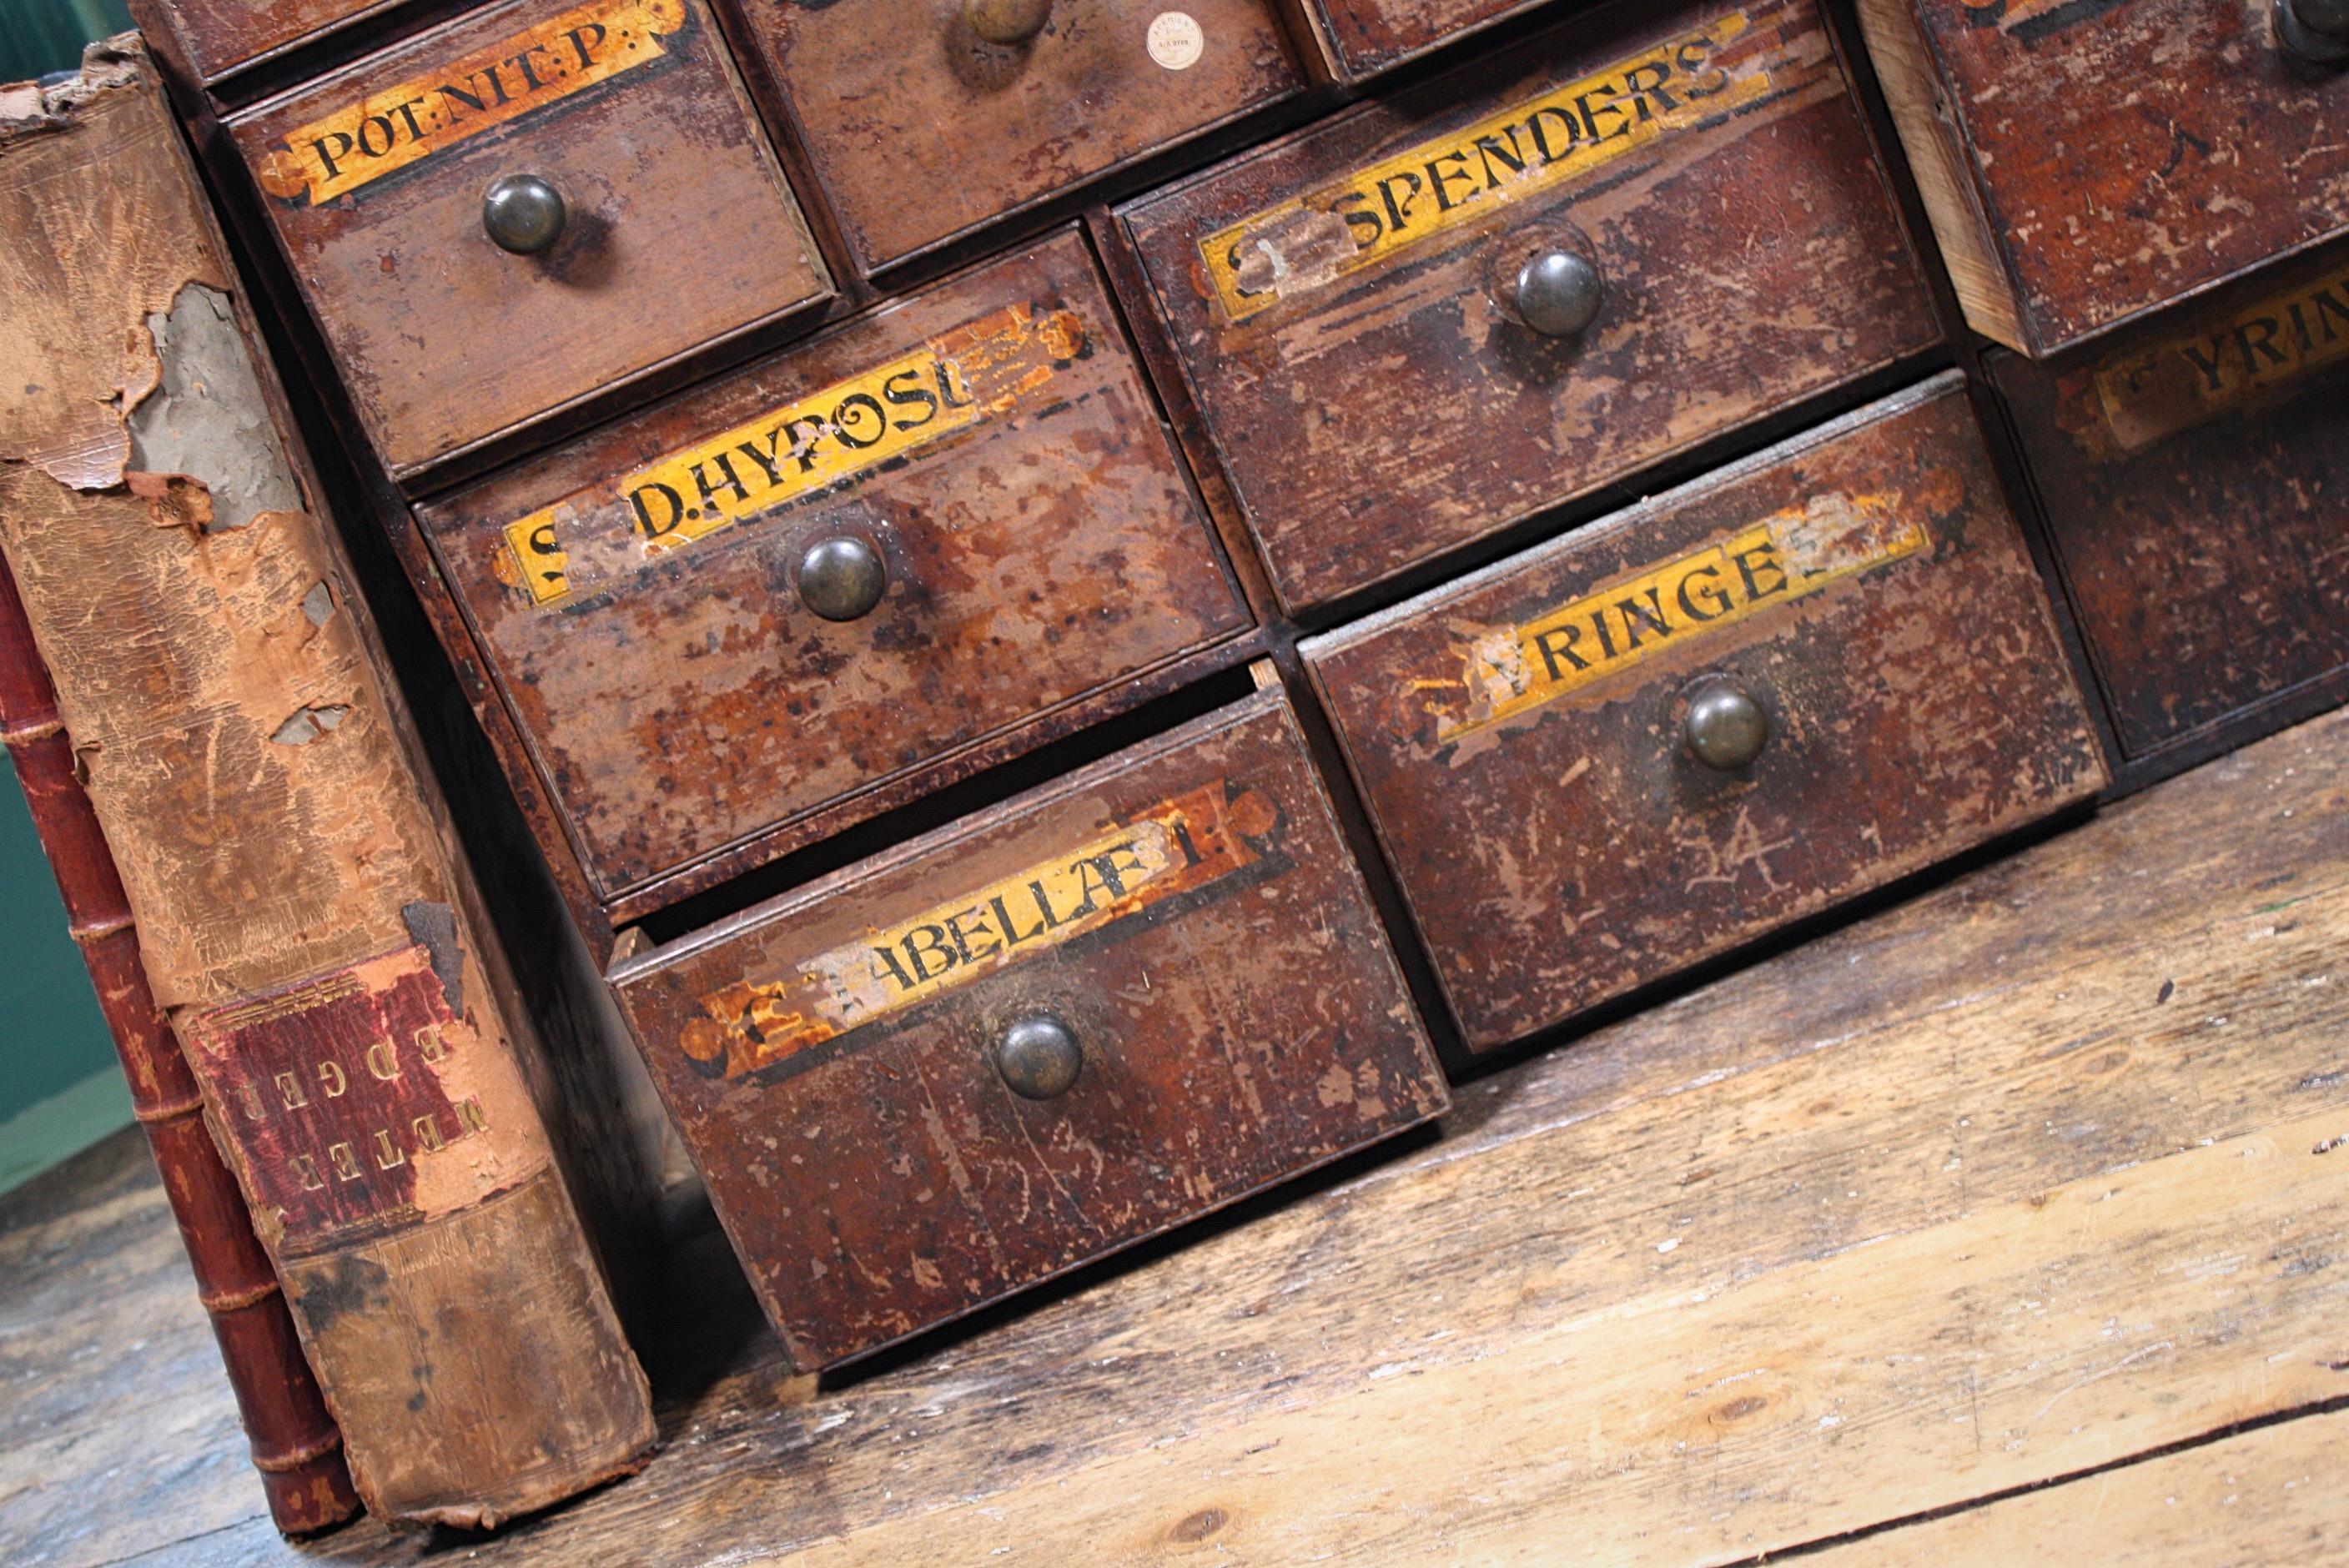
[950,383]
[2153,393]
[2016,13]
[1786,556]
[1432,188]
[390,129]
[1176,846]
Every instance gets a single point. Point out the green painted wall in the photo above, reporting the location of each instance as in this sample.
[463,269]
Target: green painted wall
[38,36]
[54,1052]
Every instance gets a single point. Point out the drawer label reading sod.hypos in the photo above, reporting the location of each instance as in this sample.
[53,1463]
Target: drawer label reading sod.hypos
[2151,394]
[1565,134]
[1786,556]
[973,374]
[389,131]
[1187,844]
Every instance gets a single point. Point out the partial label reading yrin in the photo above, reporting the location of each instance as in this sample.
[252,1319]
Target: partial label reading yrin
[1786,556]
[1563,134]
[1177,846]
[390,129]
[2153,393]
[973,374]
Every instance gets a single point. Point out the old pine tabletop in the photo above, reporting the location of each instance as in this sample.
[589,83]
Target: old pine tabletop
[2002,1223]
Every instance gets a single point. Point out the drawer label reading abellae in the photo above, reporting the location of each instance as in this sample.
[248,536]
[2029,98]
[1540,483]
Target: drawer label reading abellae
[2152,394]
[1786,556]
[1565,134]
[390,129]
[960,379]
[1178,846]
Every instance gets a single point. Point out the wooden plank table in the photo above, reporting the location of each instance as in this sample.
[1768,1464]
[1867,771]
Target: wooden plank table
[2003,1225]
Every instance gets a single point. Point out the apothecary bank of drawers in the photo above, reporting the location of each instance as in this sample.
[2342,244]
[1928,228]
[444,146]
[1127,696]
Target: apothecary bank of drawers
[1078,591]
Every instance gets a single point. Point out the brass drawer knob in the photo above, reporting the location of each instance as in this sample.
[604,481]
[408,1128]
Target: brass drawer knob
[1006,22]
[523,214]
[840,579]
[1726,728]
[1559,293]
[2315,30]
[1039,1057]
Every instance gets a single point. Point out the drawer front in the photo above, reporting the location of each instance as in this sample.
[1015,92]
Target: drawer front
[677,228]
[983,461]
[1345,303]
[2195,481]
[218,35]
[2129,153]
[1179,927]
[921,129]
[1559,751]
[1369,35]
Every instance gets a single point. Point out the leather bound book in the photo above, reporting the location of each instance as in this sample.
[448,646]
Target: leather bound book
[306,925]
[295,1446]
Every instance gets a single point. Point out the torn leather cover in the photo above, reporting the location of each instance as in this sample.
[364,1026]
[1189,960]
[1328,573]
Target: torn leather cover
[304,925]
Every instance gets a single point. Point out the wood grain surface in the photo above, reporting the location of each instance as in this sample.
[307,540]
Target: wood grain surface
[2029,1177]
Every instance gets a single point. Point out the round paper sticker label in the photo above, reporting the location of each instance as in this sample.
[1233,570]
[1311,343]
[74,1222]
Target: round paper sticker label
[1175,40]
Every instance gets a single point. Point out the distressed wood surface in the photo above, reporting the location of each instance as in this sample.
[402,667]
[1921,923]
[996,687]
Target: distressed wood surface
[920,129]
[680,228]
[218,35]
[1369,35]
[1519,736]
[1341,301]
[2195,478]
[2013,1181]
[1185,909]
[2125,155]
[637,595]
[2268,1496]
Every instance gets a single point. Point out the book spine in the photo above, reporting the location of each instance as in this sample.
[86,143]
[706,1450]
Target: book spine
[305,922]
[295,1446]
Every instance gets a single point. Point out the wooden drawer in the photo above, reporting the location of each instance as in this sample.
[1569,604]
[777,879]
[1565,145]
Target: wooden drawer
[679,229]
[2195,483]
[1343,303]
[1529,740]
[2085,163]
[921,130]
[1366,36]
[218,36]
[644,596]
[1181,924]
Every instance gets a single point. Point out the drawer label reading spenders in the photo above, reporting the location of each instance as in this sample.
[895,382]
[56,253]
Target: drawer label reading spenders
[1786,556]
[1565,134]
[1178,846]
[960,379]
[389,131]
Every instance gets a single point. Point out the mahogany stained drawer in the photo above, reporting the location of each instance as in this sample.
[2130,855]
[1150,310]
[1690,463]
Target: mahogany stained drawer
[1736,704]
[220,36]
[1365,37]
[1009,1047]
[1346,308]
[677,228]
[2090,161]
[979,468]
[921,129]
[2194,477]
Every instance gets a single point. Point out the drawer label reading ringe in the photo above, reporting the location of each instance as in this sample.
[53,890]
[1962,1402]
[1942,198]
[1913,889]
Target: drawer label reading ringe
[1563,134]
[389,131]
[2151,394]
[1786,556]
[961,378]
[1178,846]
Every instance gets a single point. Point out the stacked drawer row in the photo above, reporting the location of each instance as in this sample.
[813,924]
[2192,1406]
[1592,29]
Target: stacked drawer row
[1566,435]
